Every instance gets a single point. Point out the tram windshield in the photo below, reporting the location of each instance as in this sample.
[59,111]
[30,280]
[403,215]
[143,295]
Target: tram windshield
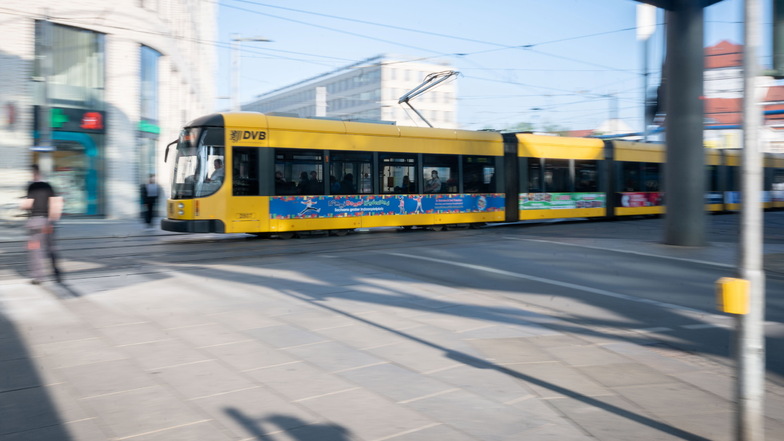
[199,164]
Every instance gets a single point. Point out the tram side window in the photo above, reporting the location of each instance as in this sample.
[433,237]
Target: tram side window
[777,185]
[479,174]
[778,179]
[556,176]
[245,171]
[586,176]
[651,178]
[630,176]
[733,178]
[535,175]
[299,172]
[440,173]
[351,173]
[397,173]
[712,177]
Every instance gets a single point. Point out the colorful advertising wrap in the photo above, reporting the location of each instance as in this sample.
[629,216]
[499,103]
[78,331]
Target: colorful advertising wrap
[649,199]
[734,197]
[308,207]
[555,201]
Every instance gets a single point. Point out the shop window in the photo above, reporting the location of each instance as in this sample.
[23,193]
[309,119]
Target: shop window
[440,173]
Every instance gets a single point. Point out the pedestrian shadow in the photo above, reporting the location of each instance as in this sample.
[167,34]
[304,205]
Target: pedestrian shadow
[63,290]
[28,402]
[266,428]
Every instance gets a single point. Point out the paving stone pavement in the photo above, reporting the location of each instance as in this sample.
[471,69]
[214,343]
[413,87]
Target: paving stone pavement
[272,355]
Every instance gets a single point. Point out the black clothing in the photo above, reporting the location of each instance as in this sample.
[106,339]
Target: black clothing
[150,199]
[40,192]
[41,231]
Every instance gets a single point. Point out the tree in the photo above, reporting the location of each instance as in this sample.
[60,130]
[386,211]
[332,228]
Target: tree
[555,129]
[521,127]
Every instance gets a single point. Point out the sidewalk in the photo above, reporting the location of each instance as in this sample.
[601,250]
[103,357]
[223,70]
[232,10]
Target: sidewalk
[265,351]
[85,228]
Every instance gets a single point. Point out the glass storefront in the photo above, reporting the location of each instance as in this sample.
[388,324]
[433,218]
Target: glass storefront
[69,80]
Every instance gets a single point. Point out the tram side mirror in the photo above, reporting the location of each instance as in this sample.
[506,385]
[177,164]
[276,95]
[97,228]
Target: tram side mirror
[166,154]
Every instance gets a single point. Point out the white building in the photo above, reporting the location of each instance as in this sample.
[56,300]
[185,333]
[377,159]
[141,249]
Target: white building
[118,79]
[368,90]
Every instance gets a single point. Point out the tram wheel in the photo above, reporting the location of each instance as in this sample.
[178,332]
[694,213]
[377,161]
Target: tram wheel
[339,233]
[438,227]
[286,235]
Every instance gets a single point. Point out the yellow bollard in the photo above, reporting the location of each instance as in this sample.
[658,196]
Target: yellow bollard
[732,295]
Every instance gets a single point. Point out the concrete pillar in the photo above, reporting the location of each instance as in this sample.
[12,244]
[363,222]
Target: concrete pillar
[684,177]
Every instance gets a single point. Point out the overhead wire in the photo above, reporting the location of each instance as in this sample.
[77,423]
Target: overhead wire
[464,56]
[528,47]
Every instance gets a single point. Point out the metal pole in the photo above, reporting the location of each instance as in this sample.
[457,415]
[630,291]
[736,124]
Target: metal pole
[45,160]
[645,46]
[646,25]
[235,73]
[235,67]
[751,334]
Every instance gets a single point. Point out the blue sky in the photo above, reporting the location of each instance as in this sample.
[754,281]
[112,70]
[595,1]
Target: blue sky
[577,53]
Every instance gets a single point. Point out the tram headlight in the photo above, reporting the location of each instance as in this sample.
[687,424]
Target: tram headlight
[180,206]
[181,213]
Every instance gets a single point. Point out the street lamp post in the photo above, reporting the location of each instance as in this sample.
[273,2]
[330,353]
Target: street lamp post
[236,40]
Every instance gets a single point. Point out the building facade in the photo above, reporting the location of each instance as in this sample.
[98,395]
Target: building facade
[723,91]
[368,90]
[94,93]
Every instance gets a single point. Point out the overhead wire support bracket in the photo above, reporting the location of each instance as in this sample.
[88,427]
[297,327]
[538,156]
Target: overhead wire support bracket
[431,80]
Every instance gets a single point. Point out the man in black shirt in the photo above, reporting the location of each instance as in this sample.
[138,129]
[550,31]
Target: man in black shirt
[44,209]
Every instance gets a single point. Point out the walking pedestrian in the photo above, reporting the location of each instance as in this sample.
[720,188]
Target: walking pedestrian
[150,192]
[44,209]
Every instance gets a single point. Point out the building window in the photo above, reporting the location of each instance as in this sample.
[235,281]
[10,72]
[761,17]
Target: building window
[149,124]
[73,61]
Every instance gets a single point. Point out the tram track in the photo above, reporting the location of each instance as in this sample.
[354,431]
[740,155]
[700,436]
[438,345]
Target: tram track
[145,254]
